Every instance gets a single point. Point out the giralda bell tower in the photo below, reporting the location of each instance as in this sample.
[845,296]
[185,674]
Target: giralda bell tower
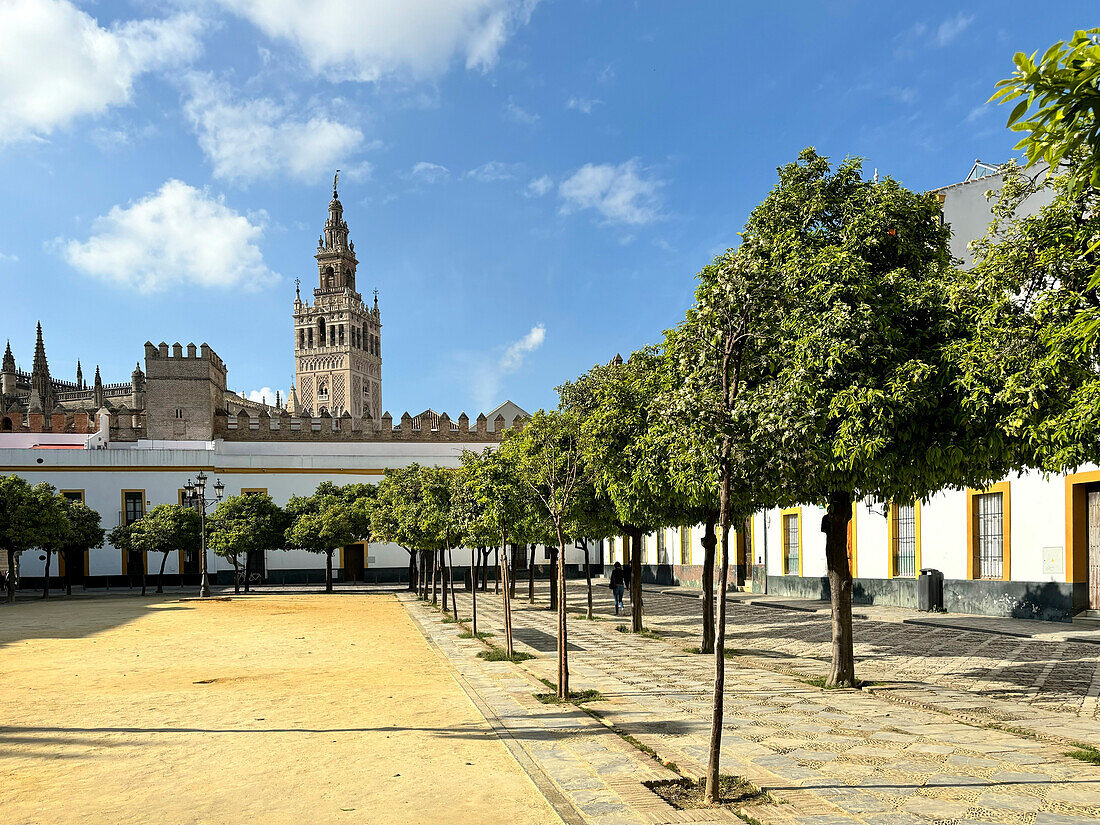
[337,340]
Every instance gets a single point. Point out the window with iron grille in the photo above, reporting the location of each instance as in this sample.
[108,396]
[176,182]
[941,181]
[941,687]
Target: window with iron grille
[989,536]
[905,540]
[790,543]
[747,532]
[662,550]
[685,545]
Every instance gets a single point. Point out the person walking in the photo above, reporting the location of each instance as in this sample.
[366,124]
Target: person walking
[618,586]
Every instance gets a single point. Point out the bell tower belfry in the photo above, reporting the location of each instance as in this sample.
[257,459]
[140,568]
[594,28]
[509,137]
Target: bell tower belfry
[337,340]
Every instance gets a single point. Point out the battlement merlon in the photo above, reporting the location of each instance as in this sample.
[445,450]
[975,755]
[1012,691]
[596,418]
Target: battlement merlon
[160,363]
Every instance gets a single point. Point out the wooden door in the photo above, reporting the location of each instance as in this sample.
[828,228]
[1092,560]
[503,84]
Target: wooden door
[354,563]
[1092,510]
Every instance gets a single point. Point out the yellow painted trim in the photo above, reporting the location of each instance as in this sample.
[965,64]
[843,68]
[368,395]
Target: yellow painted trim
[1076,516]
[797,513]
[69,468]
[852,534]
[1005,489]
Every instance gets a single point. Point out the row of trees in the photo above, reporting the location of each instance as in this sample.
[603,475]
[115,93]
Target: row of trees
[839,353]
[36,517]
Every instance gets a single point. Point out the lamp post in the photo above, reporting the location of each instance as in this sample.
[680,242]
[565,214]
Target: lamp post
[194,495]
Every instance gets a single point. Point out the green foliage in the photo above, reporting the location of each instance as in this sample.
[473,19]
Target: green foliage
[548,457]
[614,407]
[499,654]
[83,528]
[30,516]
[251,521]
[861,387]
[412,508]
[1032,301]
[165,528]
[1057,99]
[322,523]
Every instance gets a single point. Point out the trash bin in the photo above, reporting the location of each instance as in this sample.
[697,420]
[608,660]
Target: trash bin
[930,590]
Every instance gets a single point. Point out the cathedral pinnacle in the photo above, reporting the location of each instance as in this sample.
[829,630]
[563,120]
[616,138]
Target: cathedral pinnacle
[9,359]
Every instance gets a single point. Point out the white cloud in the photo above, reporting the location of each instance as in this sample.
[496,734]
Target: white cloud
[537,187]
[367,40]
[57,63]
[623,193]
[247,139]
[265,395]
[492,171]
[5,257]
[174,236]
[487,375]
[513,357]
[518,114]
[426,172]
[582,104]
[951,28]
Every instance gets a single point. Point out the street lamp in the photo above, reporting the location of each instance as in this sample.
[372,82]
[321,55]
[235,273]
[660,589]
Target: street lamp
[194,495]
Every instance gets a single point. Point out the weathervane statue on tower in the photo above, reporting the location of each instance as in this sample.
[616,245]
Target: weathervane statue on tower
[335,180]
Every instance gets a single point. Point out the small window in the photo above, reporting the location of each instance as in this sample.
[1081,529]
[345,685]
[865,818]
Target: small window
[904,536]
[747,533]
[790,543]
[310,337]
[74,495]
[179,412]
[685,545]
[989,536]
[662,551]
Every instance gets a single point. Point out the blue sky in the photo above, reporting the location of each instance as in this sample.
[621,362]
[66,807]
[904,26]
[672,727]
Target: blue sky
[531,184]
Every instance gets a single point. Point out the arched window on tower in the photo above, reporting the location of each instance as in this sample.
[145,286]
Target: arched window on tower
[341,334]
[310,338]
[301,339]
[320,332]
[330,278]
[6,425]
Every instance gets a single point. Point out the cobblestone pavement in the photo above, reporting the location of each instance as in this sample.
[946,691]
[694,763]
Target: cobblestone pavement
[1047,672]
[835,756]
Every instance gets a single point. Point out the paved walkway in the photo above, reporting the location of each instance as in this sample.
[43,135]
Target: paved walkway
[835,756]
[1007,670]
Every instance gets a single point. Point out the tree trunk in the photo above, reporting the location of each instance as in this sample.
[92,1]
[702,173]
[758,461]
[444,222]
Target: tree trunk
[435,577]
[68,573]
[588,576]
[553,579]
[451,568]
[473,588]
[839,514]
[412,570]
[11,575]
[425,564]
[443,577]
[507,601]
[563,642]
[496,586]
[160,576]
[709,542]
[247,568]
[636,580]
[531,576]
[485,570]
[144,577]
[46,586]
[718,706]
[328,571]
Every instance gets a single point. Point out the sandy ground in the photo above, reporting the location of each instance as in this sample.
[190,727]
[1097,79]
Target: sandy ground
[266,709]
